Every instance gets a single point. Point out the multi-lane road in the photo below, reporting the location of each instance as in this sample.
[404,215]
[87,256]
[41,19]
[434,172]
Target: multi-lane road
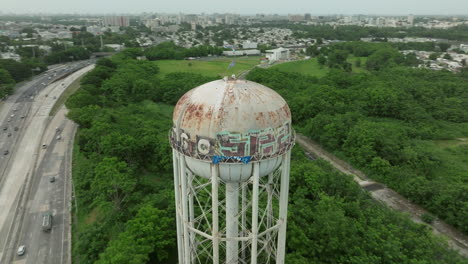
[34,147]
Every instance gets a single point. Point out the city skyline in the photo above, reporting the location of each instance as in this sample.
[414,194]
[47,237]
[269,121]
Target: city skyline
[367,7]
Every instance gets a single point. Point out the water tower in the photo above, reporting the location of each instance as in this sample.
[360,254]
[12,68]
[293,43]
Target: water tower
[231,143]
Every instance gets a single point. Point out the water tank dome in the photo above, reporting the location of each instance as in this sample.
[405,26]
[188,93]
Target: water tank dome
[233,123]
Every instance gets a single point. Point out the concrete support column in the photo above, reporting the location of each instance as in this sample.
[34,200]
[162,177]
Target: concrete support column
[232,222]
[175,164]
[256,178]
[283,210]
[185,212]
[215,215]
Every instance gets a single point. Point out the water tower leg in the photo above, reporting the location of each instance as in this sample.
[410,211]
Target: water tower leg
[256,178]
[244,220]
[214,205]
[185,213]
[269,215]
[232,222]
[283,210]
[191,214]
[175,164]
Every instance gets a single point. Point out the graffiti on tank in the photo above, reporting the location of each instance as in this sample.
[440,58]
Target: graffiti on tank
[256,143]
[234,144]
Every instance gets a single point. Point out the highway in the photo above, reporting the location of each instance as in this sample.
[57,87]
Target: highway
[26,167]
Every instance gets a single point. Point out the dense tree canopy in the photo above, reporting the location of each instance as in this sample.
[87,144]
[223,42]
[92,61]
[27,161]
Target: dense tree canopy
[387,123]
[122,163]
[168,50]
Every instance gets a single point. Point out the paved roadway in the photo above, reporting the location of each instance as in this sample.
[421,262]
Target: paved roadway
[25,190]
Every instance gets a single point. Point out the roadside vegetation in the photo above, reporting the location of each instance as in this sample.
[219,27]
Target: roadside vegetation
[122,171]
[71,89]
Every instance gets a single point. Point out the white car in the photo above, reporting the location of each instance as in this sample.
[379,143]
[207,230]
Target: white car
[21,250]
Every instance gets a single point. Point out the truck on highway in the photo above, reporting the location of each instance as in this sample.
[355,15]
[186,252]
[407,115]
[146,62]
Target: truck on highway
[47,221]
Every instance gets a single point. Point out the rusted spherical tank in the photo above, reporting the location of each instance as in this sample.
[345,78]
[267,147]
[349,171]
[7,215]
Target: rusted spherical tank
[233,123]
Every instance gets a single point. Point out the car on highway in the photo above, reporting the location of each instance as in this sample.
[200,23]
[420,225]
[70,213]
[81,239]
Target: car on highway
[16,128]
[44,146]
[9,119]
[47,221]
[5,128]
[52,179]
[6,152]
[21,250]
[43,84]
[9,134]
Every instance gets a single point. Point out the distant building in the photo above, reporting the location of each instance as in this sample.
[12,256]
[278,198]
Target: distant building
[116,47]
[10,55]
[296,18]
[152,23]
[278,54]
[95,30]
[464,47]
[307,17]
[250,52]
[411,19]
[64,43]
[249,45]
[121,21]
[46,35]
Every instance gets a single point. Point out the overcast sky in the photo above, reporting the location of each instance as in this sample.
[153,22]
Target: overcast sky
[380,7]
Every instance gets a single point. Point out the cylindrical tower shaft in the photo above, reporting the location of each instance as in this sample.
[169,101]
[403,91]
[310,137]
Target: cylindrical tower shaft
[215,215]
[283,209]
[179,225]
[232,222]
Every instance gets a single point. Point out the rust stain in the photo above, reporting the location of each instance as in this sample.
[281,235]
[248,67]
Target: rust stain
[209,113]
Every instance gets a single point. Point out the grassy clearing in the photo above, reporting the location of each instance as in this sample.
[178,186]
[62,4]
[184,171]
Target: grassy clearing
[362,69]
[216,67]
[312,68]
[453,154]
[71,89]
[308,67]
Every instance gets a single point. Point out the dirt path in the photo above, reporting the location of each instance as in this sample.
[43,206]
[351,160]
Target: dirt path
[381,193]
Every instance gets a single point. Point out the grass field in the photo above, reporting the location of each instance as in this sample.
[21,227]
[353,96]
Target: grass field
[352,60]
[308,67]
[215,67]
[312,68]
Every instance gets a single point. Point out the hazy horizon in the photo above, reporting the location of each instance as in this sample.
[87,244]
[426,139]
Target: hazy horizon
[365,7]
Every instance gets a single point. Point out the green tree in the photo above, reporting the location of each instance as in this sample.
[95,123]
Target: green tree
[434,56]
[322,60]
[17,70]
[6,83]
[444,46]
[383,58]
[113,182]
[150,231]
